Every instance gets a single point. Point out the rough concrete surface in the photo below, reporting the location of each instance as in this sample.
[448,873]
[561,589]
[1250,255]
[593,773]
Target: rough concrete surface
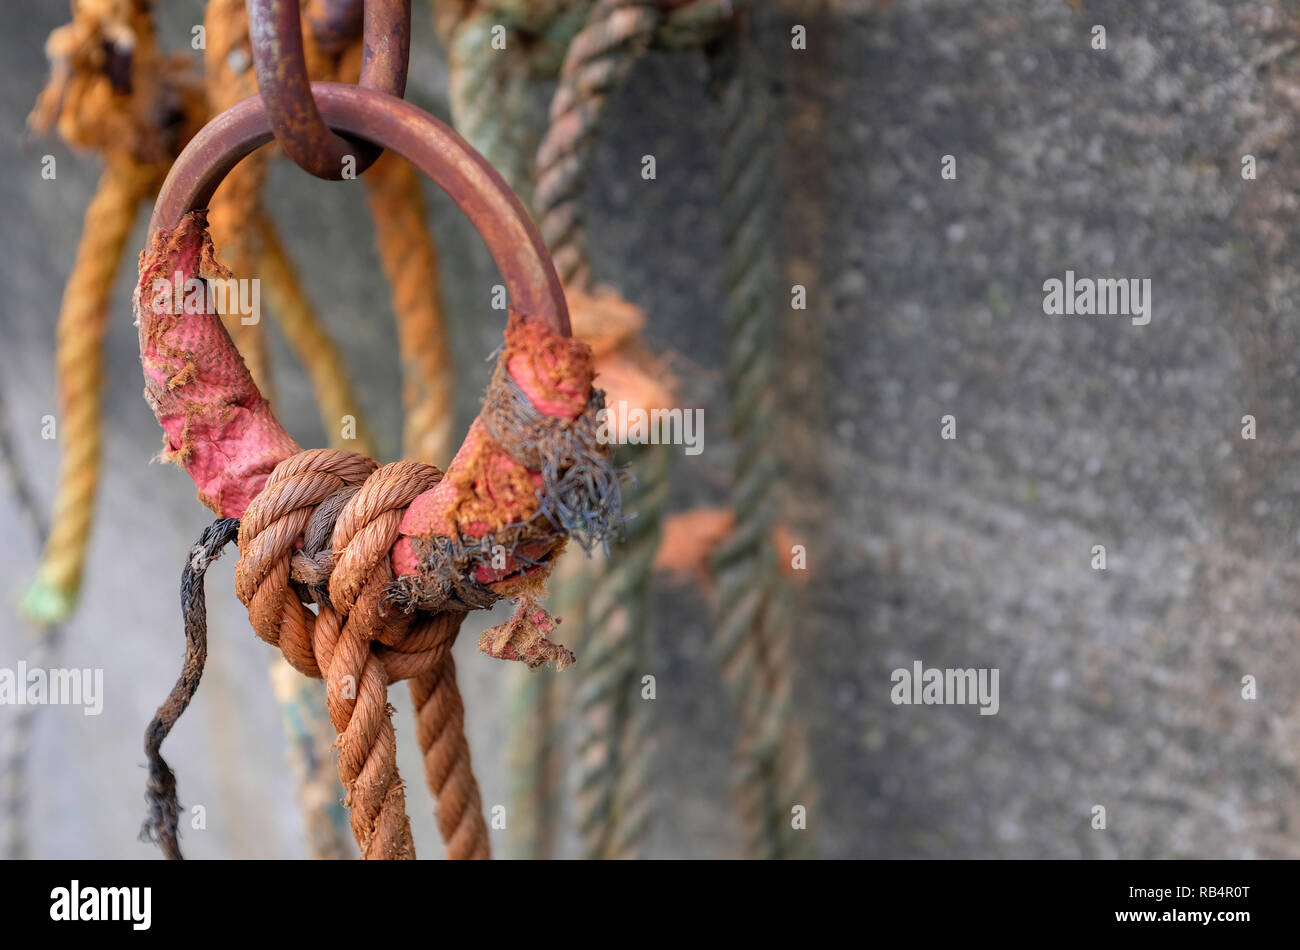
[1120,688]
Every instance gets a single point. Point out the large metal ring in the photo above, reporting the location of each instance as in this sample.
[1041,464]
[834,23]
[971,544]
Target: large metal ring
[533,286]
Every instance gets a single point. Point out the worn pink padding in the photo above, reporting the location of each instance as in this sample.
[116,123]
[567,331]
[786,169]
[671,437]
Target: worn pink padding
[485,488]
[221,430]
[216,423]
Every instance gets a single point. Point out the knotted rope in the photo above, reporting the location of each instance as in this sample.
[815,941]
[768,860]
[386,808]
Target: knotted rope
[393,556]
[335,643]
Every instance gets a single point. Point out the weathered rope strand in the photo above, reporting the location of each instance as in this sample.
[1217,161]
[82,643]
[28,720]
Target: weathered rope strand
[410,261]
[751,639]
[612,739]
[161,825]
[440,730]
[598,60]
[79,369]
[297,318]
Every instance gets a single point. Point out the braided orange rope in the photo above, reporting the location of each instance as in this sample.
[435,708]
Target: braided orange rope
[229,77]
[410,262]
[306,336]
[79,369]
[336,643]
[108,91]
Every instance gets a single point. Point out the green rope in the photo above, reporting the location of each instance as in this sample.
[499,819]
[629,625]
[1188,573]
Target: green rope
[613,745]
[41,651]
[489,100]
[752,635]
[613,741]
[599,59]
[594,46]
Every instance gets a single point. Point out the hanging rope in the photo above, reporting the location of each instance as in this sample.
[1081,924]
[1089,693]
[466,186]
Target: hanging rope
[41,650]
[298,320]
[372,628]
[613,741]
[752,639]
[110,92]
[488,91]
[598,60]
[229,78]
[410,261]
[79,371]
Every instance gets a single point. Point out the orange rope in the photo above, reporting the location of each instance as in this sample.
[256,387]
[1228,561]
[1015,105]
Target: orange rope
[83,317]
[302,328]
[230,77]
[108,85]
[410,262]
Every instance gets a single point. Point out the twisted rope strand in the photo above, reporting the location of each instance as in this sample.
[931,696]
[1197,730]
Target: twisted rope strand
[613,744]
[306,335]
[440,730]
[410,261]
[162,824]
[751,639]
[79,357]
[598,60]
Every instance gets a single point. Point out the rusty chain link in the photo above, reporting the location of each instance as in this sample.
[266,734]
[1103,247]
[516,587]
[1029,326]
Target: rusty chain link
[275,32]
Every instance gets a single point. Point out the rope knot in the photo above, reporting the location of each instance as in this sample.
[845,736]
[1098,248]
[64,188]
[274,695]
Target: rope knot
[319,533]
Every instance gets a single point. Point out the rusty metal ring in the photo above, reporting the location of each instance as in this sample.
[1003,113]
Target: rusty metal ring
[512,239]
[275,34]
